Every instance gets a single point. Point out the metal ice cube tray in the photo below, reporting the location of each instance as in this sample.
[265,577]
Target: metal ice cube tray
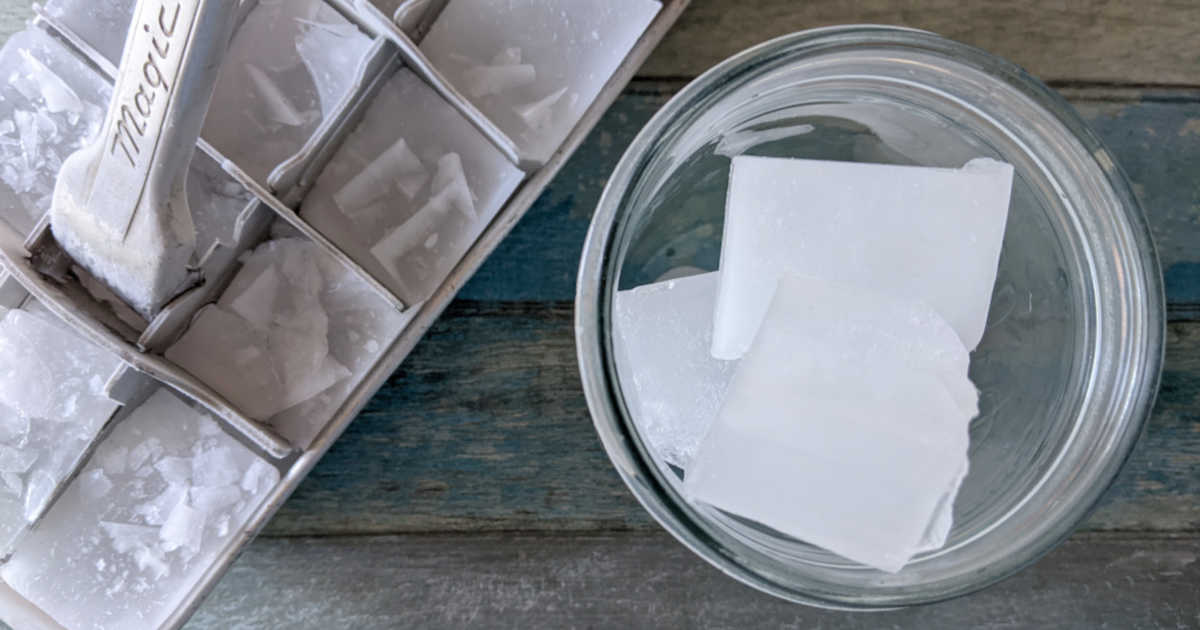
[254,189]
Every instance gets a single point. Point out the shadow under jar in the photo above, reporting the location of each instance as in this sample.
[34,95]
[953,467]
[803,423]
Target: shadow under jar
[1069,364]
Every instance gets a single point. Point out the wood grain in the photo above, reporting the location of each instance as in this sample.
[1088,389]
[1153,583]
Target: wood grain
[454,442]
[1104,41]
[485,427]
[650,581]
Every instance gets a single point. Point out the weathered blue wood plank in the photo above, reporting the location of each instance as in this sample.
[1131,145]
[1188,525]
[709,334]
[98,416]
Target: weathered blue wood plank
[539,259]
[1147,42]
[1156,140]
[1098,41]
[485,428]
[648,580]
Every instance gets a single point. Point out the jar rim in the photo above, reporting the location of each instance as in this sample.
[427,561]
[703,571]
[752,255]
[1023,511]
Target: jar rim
[596,285]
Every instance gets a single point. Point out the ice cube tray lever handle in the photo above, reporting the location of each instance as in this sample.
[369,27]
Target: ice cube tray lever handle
[120,203]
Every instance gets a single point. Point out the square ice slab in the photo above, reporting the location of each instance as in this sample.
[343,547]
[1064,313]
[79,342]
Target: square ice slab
[50,103]
[289,66]
[839,428]
[673,386]
[928,233]
[287,336]
[164,494]
[408,195]
[534,66]
[52,406]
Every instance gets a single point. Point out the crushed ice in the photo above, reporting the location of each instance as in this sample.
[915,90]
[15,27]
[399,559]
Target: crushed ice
[157,503]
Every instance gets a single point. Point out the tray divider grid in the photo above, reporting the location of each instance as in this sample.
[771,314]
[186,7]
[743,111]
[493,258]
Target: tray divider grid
[14,261]
[292,177]
[293,463]
[289,216]
[376,22]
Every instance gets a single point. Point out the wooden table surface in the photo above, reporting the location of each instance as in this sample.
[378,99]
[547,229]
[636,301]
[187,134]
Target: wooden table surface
[473,492]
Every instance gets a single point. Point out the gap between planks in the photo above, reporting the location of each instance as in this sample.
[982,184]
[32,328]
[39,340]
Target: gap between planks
[650,580]
[455,443]
[1148,42]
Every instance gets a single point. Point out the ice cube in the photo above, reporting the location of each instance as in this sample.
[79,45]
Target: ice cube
[276,104]
[114,461]
[327,317]
[539,114]
[271,329]
[175,470]
[479,81]
[149,450]
[331,49]
[14,427]
[14,460]
[450,185]
[126,537]
[845,440]
[299,261]
[361,327]
[126,572]
[413,233]
[213,499]
[228,354]
[894,331]
[216,201]
[276,87]
[508,57]
[215,466]
[939,526]
[297,343]
[32,354]
[387,233]
[306,376]
[573,49]
[930,233]
[662,333]
[184,528]
[57,95]
[14,485]
[51,409]
[256,304]
[51,102]
[94,484]
[449,192]
[258,478]
[396,168]
[155,510]
[39,487]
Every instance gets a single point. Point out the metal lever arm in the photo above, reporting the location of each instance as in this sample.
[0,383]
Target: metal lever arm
[120,204]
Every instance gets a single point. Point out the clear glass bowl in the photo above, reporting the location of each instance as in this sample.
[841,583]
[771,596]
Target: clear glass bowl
[1067,370]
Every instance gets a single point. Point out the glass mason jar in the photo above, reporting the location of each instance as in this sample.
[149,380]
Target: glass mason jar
[1068,367]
